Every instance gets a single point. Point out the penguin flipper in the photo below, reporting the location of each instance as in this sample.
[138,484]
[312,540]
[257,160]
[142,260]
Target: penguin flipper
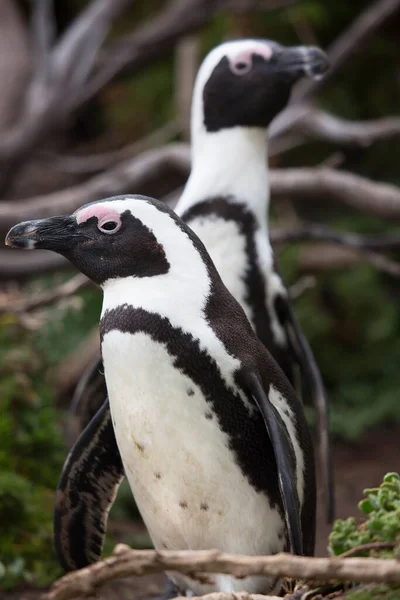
[284,457]
[87,488]
[305,357]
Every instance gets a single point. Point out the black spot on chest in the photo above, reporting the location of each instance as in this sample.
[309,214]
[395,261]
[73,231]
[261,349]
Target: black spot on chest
[255,280]
[247,435]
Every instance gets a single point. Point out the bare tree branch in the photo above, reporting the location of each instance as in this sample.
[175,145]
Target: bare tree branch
[350,41]
[62,291]
[325,257]
[379,199]
[151,41]
[99,162]
[15,61]
[127,562]
[19,265]
[127,177]
[318,233]
[59,75]
[309,122]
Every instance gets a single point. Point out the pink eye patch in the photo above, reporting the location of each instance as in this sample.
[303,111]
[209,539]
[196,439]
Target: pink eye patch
[102,213]
[242,62]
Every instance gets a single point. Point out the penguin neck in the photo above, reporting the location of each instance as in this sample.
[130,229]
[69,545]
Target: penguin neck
[230,162]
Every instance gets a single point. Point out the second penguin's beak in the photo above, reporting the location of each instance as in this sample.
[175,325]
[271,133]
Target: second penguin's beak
[303,60]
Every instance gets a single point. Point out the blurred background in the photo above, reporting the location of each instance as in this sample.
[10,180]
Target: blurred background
[95,101]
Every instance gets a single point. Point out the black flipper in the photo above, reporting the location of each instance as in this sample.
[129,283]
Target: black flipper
[285,460]
[86,491]
[305,357]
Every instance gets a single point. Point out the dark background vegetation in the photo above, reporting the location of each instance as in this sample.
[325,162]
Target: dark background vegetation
[349,312]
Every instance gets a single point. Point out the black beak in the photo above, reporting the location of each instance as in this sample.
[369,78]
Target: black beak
[54,233]
[303,60]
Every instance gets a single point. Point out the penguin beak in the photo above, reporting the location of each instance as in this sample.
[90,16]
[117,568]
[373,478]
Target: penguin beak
[55,233]
[303,60]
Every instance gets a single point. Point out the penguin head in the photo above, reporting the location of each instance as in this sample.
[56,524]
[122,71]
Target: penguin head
[112,238]
[247,83]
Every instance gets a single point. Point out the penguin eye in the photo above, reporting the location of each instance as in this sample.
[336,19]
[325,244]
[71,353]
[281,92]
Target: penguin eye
[242,66]
[109,226]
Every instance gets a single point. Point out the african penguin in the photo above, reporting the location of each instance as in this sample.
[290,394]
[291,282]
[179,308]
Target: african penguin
[241,86]
[212,437]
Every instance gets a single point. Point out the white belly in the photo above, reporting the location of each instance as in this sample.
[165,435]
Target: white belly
[189,490]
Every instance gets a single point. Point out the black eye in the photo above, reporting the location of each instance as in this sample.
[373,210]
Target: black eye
[242,66]
[109,226]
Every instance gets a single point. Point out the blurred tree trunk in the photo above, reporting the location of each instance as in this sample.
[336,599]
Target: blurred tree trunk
[15,61]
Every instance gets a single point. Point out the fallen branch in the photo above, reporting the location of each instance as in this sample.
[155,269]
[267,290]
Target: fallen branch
[65,290]
[127,562]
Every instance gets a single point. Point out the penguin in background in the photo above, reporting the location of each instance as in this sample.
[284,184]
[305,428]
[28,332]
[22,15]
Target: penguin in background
[240,88]
[208,430]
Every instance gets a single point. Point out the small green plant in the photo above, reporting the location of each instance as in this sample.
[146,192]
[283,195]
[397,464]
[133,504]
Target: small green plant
[381,507]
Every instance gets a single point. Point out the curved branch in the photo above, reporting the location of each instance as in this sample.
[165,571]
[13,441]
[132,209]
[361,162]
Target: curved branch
[311,122]
[379,199]
[309,232]
[127,562]
[348,42]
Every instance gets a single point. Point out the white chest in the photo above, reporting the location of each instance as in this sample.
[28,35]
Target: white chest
[188,488]
[226,245]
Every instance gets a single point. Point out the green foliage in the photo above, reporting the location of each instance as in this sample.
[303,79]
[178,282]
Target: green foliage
[353,324]
[32,449]
[381,507]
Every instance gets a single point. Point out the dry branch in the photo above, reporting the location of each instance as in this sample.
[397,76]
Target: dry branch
[127,562]
[365,195]
[307,232]
[325,257]
[379,199]
[19,265]
[310,122]
[348,42]
[60,292]
[232,596]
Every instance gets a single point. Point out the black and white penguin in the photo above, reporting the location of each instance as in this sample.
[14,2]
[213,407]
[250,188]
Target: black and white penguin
[240,88]
[212,437]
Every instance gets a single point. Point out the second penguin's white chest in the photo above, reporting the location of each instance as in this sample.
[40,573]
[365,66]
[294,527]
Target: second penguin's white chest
[186,483]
